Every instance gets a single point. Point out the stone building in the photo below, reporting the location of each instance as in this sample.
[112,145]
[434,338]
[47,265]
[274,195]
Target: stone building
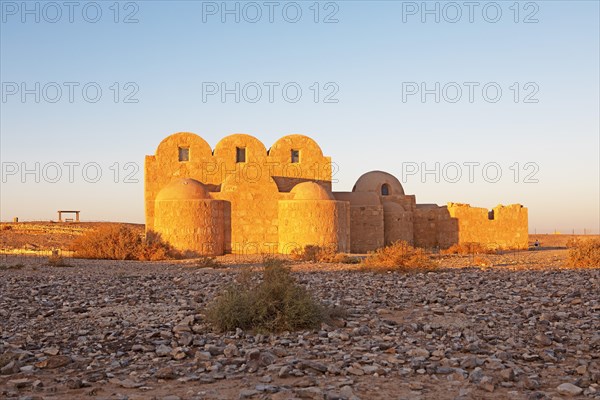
[242,198]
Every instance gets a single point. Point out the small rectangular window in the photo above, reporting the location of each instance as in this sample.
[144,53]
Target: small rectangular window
[184,154]
[385,189]
[240,154]
[295,156]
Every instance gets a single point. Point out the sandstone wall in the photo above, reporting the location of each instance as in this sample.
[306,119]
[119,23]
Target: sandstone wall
[249,188]
[251,221]
[314,222]
[192,225]
[426,219]
[254,195]
[366,220]
[398,223]
[214,168]
[506,227]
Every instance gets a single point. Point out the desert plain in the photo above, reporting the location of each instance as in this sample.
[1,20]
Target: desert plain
[517,325]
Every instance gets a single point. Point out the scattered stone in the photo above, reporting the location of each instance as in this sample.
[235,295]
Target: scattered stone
[163,351]
[53,362]
[569,389]
[501,333]
[166,373]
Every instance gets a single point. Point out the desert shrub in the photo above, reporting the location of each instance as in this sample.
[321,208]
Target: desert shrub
[273,304]
[468,248]
[307,253]
[325,254]
[118,242]
[56,260]
[272,261]
[6,227]
[482,261]
[572,242]
[15,266]
[113,242]
[207,262]
[399,255]
[345,259]
[154,251]
[585,254]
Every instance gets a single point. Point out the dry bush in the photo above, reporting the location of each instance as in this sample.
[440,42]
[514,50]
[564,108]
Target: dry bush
[15,266]
[207,262]
[572,242]
[307,253]
[272,261]
[118,242]
[56,260]
[324,254]
[585,254]
[399,256]
[274,304]
[482,261]
[468,248]
[157,251]
[343,258]
[6,227]
[112,242]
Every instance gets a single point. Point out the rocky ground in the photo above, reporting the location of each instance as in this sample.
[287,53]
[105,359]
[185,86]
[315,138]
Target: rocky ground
[523,329]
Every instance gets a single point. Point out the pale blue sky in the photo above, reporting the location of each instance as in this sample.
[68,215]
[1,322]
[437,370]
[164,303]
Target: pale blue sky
[368,54]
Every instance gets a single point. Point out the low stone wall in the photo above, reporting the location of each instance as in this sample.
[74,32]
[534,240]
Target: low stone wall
[505,227]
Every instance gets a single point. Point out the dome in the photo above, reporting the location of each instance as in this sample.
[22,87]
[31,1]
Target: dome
[311,191]
[390,206]
[380,182]
[183,189]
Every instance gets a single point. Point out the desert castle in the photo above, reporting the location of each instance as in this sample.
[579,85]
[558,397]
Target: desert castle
[242,198]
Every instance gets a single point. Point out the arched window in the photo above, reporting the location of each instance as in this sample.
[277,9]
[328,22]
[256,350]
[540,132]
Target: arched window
[385,189]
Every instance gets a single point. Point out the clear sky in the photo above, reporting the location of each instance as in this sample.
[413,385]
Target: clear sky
[515,83]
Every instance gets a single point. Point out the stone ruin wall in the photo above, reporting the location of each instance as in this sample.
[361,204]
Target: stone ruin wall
[260,215]
[249,189]
[505,227]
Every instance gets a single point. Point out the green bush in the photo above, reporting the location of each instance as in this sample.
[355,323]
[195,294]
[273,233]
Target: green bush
[273,304]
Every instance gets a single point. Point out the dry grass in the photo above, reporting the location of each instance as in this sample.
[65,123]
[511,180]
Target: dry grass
[399,256]
[274,303]
[585,254]
[118,242]
[468,248]
[328,254]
